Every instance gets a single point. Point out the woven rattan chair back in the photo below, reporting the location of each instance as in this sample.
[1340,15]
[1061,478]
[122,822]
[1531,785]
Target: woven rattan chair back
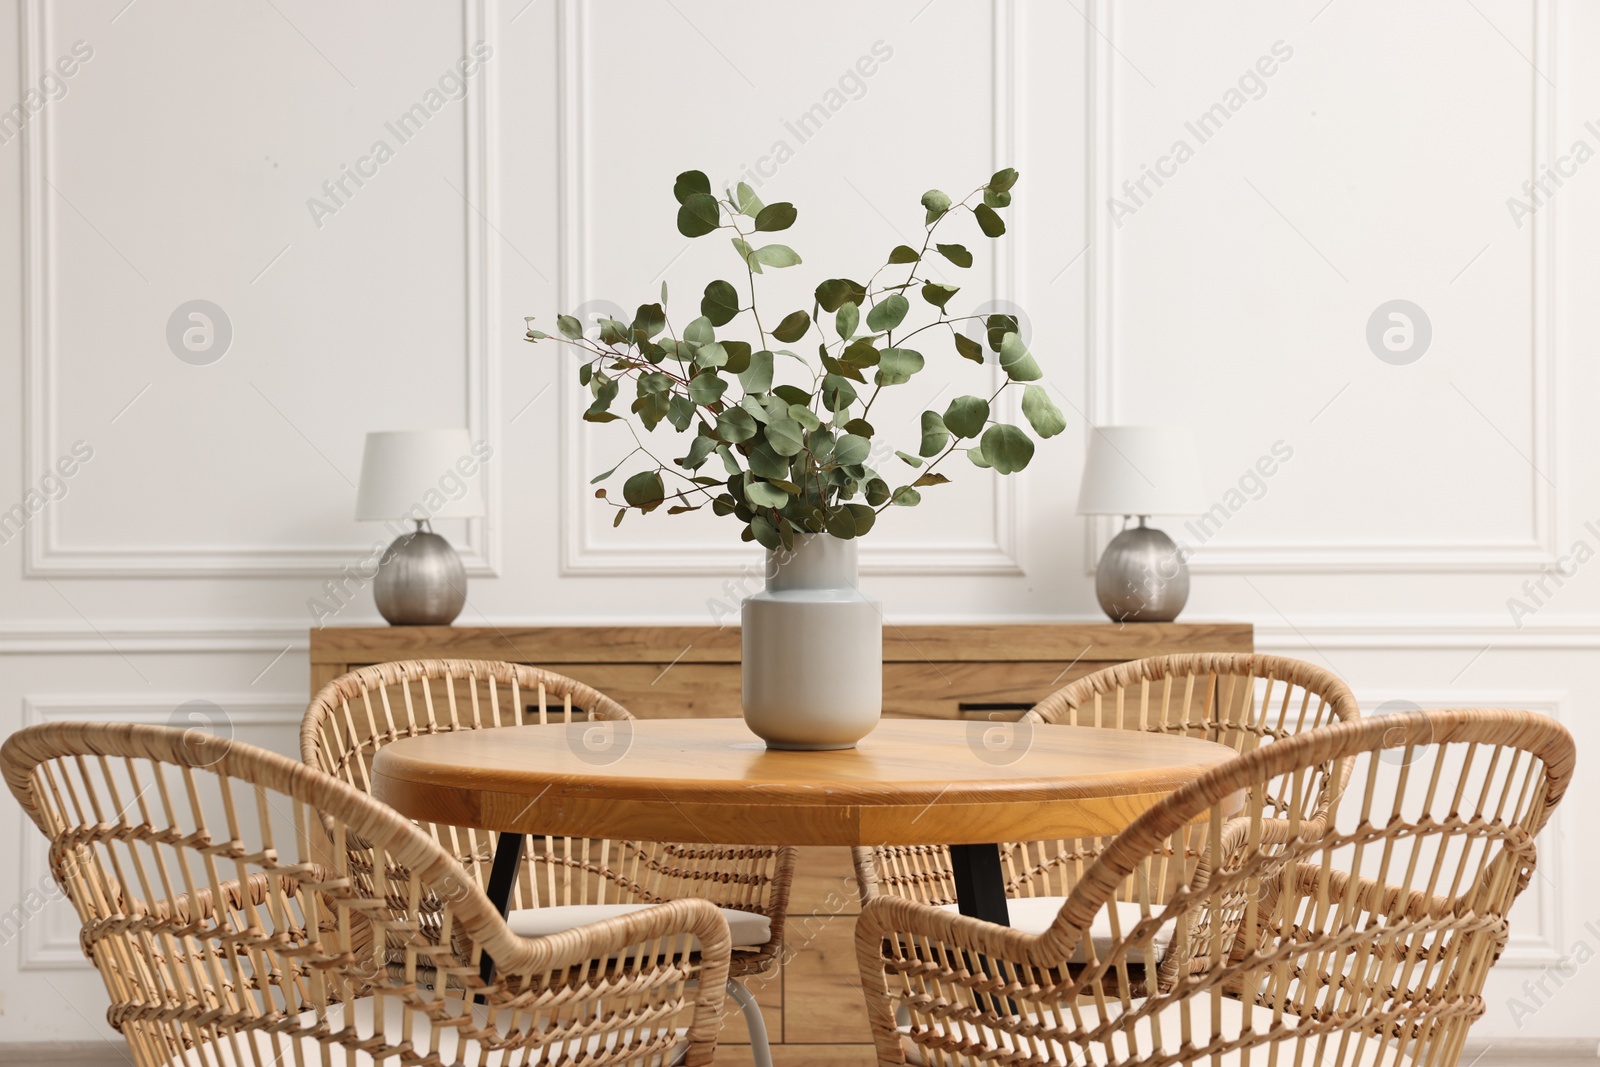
[358,713]
[1243,701]
[1363,941]
[227,934]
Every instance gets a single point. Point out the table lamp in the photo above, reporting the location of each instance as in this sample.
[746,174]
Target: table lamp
[419,475]
[1139,471]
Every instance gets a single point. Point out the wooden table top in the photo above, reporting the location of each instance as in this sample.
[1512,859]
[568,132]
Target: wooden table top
[712,781]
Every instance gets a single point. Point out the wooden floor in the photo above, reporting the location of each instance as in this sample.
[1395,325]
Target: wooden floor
[1580,1053]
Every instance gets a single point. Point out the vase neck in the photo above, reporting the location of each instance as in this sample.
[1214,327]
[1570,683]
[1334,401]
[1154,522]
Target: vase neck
[818,561]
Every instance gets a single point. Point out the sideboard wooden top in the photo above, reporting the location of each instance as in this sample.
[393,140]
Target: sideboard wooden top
[1088,642]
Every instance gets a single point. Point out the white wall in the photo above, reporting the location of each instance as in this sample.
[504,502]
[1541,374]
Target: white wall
[1374,165]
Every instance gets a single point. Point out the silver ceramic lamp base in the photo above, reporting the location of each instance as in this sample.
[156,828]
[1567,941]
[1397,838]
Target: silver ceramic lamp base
[421,581]
[1142,577]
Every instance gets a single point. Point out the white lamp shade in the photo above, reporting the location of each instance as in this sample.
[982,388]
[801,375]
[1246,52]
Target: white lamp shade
[1141,470]
[435,471]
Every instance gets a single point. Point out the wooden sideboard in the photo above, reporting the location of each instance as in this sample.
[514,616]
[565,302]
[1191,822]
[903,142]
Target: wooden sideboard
[813,1006]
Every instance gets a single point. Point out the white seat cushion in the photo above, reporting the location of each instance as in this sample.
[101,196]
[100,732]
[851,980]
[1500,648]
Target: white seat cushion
[278,1049]
[748,929]
[1033,915]
[1231,1016]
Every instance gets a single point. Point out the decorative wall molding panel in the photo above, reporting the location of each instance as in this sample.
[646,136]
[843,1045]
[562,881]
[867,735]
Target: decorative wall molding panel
[47,554]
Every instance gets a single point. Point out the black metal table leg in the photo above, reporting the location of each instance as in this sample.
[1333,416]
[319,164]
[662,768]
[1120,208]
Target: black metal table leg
[980,884]
[981,893]
[502,880]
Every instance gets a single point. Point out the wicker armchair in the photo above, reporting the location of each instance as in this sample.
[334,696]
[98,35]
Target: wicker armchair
[1240,700]
[1362,942]
[563,881]
[223,942]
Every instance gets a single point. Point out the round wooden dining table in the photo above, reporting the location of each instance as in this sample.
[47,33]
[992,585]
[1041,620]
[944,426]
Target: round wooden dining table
[968,785]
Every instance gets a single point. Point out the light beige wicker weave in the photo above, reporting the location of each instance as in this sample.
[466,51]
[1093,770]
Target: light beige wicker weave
[1363,942]
[359,712]
[1239,700]
[223,942]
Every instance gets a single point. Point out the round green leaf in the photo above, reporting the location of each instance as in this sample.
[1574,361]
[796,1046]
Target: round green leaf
[938,295]
[1042,413]
[887,313]
[956,254]
[846,320]
[763,494]
[757,378]
[1002,180]
[850,450]
[699,331]
[711,355]
[689,183]
[720,303]
[644,490]
[937,204]
[1007,448]
[990,223]
[786,436]
[832,293]
[966,416]
[903,254]
[1018,362]
[699,215]
[569,326]
[967,348]
[749,203]
[897,365]
[706,387]
[775,256]
[775,217]
[735,425]
[793,327]
[907,497]
[851,520]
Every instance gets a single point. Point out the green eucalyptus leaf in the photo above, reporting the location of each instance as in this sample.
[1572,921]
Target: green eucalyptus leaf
[851,449]
[651,409]
[699,331]
[887,313]
[903,254]
[996,200]
[1019,364]
[654,382]
[934,434]
[975,454]
[861,353]
[648,321]
[622,513]
[877,492]
[706,387]
[741,246]
[804,416]
[907,497]
[792,394]
[1002,180]
[1007,448]
[598,478]
[688,184]
[851,520]
[711,355]
[837,393]
[585,373]
[914,461]
[735,425]
[700,450]
[766,463]
[764,533]
[786,436]
[846,320]
[757,378]
[793,327]
[898,365]
[720,303]
[859,427]
[939,294]
[680,412]
[995,328]
[775,256]
[833,293]
[931,478]
[613,332]
[1042,413]
[763,495]
[749,203]
[967,348]
[956,254]
[570,327]
[729,463]
[664,291]
[775,217]
[699,215]
[756,409]
[644,490]
[966,416]
[991,224]
[738,356]
[937,204]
